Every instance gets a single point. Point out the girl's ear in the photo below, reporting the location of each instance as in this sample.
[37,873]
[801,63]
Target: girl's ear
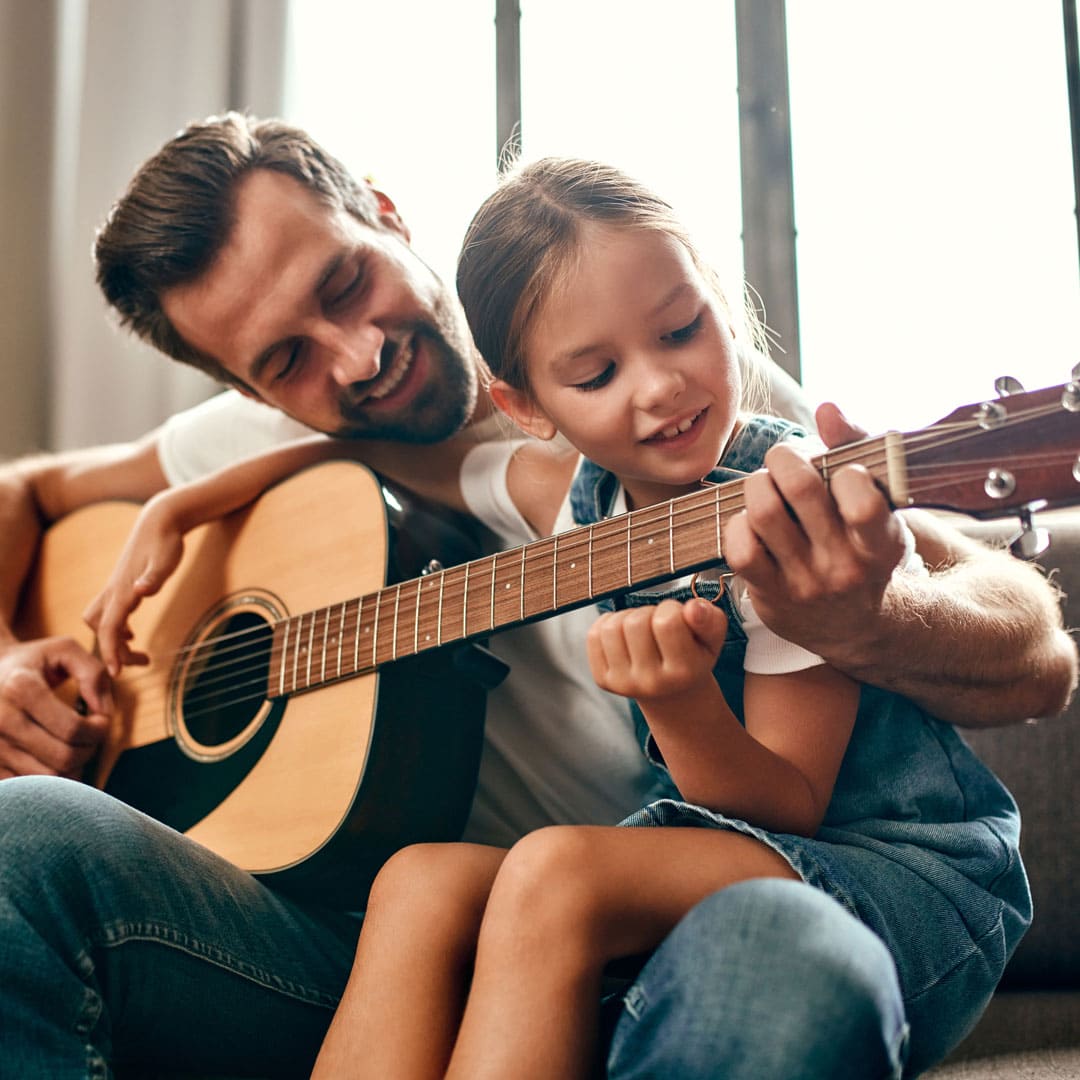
[521,408]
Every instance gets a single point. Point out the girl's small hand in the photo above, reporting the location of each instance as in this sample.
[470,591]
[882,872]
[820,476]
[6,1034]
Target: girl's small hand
[649,653]
[151,554]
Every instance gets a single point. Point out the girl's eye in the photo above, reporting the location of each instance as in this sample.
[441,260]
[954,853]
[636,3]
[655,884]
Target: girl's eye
[597,380]
[685,333]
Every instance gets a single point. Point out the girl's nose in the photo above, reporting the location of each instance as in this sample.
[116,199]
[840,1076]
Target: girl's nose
[660,385]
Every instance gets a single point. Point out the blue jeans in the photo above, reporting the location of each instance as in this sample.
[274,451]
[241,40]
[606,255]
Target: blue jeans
[768,979]
[123,942]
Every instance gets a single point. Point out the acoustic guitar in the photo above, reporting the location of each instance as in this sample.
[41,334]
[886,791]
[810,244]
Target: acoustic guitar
[305,737]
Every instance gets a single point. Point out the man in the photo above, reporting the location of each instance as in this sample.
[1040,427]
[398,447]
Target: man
[243,248]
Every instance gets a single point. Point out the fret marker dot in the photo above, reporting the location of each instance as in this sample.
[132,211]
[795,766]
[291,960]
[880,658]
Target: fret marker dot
[572,565]
[650,539]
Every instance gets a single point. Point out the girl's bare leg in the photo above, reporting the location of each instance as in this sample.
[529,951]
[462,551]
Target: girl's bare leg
[401,1009]
[567,900]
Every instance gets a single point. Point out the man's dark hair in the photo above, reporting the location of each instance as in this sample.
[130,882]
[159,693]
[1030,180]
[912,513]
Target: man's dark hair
[176,214]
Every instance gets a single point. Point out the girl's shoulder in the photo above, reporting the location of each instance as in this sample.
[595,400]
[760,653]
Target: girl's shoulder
[538,477]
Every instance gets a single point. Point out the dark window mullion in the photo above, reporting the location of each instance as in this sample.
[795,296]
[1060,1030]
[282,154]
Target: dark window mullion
[767,183]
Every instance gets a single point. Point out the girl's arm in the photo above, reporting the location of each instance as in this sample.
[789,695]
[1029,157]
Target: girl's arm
[777,772]
[154,549]
[156,543]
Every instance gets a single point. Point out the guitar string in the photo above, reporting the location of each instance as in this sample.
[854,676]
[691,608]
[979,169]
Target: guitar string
[711,503]
[618,541]
[853,454]
[573,541]
[230,671]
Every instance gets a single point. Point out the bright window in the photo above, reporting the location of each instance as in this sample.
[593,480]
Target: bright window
[933,187]
[405,93]
[650,88]
[933,202]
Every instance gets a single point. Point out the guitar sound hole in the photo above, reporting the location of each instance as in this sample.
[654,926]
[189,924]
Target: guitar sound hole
[226,687]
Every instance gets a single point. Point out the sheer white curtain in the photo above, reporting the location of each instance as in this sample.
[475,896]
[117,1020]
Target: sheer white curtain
[88,89]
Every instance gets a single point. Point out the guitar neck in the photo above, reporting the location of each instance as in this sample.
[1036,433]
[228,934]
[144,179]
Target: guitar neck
[531,582]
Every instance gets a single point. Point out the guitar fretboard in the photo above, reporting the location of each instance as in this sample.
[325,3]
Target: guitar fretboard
[559,573]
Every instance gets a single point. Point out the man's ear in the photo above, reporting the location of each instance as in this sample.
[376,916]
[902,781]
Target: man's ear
[521,408]
[388,213]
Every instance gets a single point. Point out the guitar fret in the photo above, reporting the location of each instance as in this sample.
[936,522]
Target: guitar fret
[284,653]
[375,631]
[649,559]
[355,636]
[297,648]
[491,617]
[341,636]
[537,597]
[426,585]
[310,648]
[521,585]
[465,604]
[393,636]
[325,638]
[555,573]
[671,536]
[591,592]
[416,618]
[438,621]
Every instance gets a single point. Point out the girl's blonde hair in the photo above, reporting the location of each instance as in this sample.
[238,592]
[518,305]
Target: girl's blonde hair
[523,241]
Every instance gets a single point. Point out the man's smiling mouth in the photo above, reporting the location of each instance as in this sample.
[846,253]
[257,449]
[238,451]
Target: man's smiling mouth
[399,367]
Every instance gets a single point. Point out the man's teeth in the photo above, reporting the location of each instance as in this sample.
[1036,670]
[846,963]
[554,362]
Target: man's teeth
[402,363]
[679,428]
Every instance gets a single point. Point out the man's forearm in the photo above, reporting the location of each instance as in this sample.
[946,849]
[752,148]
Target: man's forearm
[980,643]
[20,533]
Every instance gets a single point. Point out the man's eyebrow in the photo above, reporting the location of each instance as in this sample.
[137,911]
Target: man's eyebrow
[258,365]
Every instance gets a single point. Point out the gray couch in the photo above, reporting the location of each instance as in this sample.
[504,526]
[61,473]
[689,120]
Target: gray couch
[1032,1028]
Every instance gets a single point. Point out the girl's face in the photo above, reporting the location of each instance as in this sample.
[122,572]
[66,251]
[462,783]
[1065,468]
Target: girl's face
[632,359]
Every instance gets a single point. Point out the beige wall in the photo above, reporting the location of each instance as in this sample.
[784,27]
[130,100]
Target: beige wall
[26,104]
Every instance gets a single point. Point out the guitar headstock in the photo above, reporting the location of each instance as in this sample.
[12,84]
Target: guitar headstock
[1016,452]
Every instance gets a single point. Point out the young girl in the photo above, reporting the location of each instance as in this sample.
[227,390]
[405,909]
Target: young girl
[602,326]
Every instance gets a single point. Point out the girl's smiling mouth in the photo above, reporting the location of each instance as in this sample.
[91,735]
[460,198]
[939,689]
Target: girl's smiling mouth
[677,430]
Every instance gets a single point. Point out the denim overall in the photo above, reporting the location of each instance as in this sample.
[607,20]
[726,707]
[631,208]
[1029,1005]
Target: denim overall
[920,841]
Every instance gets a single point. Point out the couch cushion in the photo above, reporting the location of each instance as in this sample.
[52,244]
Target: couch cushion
[1040,762]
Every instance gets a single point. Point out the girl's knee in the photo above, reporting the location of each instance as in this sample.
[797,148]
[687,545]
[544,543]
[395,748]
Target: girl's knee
[438,878]
[545,885]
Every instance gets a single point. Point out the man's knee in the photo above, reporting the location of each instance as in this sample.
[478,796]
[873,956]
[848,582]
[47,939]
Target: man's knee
[764,978]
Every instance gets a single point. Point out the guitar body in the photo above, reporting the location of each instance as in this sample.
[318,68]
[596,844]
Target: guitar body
[311,791]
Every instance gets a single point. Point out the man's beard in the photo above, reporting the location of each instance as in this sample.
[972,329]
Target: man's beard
[440,409]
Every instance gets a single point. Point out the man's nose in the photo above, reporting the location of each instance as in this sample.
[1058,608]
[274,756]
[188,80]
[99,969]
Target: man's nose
[355,353]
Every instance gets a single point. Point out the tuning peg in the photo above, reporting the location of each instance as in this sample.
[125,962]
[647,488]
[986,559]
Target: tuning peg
[1006,385]
[1030,542]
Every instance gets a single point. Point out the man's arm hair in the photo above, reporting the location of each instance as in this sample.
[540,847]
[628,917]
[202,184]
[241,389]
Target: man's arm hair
[979,642]
[36,491]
